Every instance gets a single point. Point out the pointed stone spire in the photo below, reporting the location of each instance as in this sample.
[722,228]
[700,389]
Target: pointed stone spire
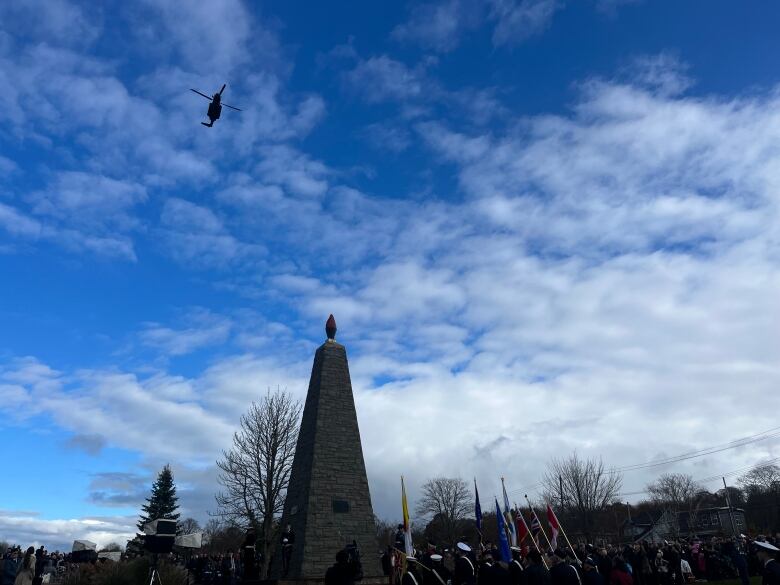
[330,328]
[328,503]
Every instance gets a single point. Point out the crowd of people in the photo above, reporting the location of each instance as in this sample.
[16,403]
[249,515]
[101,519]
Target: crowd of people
[677,562]
[642,563]
[31,567]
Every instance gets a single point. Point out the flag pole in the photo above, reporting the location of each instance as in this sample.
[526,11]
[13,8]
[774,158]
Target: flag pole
[541,528]
[478,513]
[564,533]
[528,531]
[510,528]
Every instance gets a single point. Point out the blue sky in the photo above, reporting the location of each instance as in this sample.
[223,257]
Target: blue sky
[548,224]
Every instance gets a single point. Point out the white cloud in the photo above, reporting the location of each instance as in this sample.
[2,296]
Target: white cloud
[202,329]
[85,199]
[206,43]
[383,78]
[195,235]
[439,25]
[518,20]
[59,20]
[58,534]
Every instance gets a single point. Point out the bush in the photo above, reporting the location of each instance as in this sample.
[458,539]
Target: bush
[135,572]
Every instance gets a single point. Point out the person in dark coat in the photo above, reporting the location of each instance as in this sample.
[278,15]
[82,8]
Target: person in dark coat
[561,572]
[590,573]
[288,540]
[486,574]
[11,565]
[400,538]
[387,561]
[341,573]
[412,575]
[604,563]
[516,570]
[439,571]
[536,573]
[767,555]
[248,558]
[464,567]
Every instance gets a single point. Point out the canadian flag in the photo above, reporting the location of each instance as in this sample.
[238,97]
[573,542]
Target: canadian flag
[554,527]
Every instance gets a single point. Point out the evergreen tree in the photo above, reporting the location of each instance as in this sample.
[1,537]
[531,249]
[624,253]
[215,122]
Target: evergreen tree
[162,503]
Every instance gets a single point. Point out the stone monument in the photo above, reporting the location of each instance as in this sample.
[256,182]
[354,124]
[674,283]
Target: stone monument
[328,503]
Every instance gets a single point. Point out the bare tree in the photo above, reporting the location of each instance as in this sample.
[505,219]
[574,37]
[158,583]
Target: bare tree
[187,526]
[676,492]
[255,472]
[447,500]
[582,486]
[761,478]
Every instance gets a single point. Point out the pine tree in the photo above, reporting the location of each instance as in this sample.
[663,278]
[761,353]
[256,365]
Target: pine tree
[162,503]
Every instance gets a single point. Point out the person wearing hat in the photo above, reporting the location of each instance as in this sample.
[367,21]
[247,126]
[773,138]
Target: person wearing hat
[590,572]
[536,573]
[441,574]
[767,555]
[464,568]
[516,576]
[412,574]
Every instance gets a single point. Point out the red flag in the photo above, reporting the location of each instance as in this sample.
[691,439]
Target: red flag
[522,528]
[554,527]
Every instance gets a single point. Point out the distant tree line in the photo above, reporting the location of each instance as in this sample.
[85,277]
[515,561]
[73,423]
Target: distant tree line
[587,499]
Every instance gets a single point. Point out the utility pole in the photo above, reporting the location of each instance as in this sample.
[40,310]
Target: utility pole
[628,507]
[731,513]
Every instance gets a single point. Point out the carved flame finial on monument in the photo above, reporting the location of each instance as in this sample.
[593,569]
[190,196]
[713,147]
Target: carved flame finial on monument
[330,328]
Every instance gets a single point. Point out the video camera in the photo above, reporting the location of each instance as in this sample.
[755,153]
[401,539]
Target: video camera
[159,536]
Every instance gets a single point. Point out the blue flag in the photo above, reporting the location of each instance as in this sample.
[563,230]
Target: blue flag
[503,542]
[477,510]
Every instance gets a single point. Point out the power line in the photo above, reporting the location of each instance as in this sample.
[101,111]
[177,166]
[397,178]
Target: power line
[741,442]
[712,477]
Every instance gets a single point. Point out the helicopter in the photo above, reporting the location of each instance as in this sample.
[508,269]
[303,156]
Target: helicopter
[215,107]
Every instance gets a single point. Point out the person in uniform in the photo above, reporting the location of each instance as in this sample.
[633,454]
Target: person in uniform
[400,539]
[412,575]
[536,573]
[516,576]
[440,573]
[464,567]
[248,558]
[288,540]
[767,555]
[486,574]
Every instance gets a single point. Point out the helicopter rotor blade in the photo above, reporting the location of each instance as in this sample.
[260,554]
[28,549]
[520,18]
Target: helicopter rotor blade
[223,88]
[232,107]
[203,94]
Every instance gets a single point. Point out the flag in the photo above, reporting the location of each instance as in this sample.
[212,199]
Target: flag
[503,542]
[407,523]
[554,527]
[477,510]
[508,517]
[522,528]
[535,526]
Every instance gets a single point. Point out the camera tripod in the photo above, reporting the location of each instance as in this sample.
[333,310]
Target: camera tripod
[154,574]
